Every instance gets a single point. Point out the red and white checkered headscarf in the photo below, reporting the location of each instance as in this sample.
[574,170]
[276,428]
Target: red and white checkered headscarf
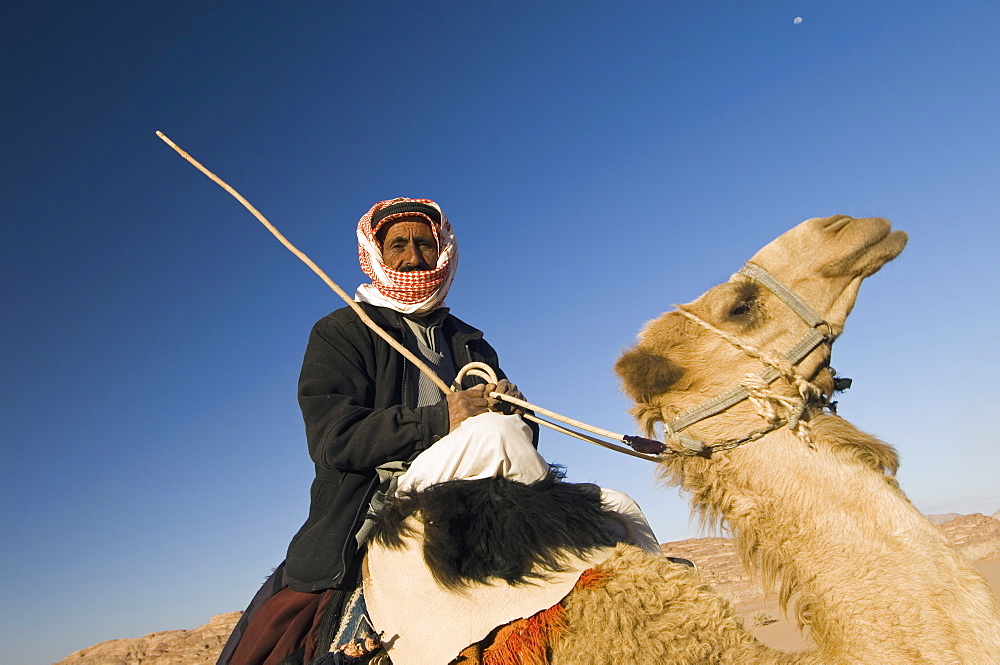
[416,292]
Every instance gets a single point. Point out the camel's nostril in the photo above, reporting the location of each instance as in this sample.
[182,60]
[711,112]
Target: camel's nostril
[838,222]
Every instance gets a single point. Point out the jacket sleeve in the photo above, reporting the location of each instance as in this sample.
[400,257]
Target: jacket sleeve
[337,388]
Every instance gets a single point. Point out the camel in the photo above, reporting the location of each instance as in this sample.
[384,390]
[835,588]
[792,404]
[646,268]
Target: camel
[810,500]
[816,511]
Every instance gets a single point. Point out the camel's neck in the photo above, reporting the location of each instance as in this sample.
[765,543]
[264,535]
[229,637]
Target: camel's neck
[839,537]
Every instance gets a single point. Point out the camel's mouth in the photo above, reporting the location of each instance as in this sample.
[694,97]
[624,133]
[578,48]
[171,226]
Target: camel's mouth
[884,250]
[876,245]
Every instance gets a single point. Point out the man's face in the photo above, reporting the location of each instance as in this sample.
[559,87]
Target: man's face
[408,245]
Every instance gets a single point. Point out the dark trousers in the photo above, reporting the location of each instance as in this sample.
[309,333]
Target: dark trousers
[282,626]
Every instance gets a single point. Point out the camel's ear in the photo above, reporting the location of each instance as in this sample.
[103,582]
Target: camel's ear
[646,374]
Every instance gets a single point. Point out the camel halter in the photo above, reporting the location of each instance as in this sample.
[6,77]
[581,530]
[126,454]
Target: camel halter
[642,448]
[755,388]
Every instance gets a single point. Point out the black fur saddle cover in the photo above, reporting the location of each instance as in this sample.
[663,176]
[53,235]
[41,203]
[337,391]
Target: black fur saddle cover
[494,528]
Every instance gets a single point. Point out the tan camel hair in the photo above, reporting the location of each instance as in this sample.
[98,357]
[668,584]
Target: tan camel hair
[824,521]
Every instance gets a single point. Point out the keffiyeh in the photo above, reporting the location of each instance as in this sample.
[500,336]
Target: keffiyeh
[416,292]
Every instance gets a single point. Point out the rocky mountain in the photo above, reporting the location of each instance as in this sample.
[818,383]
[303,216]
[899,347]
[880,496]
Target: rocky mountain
[199,646]
[947,517]
[976,536]
[941,519]
[718,564]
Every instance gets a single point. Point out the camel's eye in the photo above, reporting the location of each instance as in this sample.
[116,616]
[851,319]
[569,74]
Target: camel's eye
[745,307]
[742,308]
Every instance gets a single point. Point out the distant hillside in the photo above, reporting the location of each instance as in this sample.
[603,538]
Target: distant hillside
[947,517]
[941,519]
[199,646]
[975,536]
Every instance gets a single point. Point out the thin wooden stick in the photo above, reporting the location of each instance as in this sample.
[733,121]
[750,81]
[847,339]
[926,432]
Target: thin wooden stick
[316,269]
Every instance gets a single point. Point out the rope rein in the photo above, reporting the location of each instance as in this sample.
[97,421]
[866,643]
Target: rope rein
[774,408]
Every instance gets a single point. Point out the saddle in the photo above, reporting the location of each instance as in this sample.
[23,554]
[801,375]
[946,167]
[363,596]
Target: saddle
[407,604]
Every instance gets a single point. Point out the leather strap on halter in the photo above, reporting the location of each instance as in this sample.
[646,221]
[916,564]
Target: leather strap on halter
[789,297]
[820,332]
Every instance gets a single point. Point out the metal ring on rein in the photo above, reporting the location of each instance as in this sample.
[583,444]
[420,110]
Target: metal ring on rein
[640,447]
[475,368]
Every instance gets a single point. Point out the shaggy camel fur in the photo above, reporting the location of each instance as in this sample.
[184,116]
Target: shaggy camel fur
[819,514]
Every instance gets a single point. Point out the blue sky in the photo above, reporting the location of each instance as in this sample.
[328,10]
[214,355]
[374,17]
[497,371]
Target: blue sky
[599,161]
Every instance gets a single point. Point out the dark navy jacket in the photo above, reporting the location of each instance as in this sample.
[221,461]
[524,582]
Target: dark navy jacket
[358,402]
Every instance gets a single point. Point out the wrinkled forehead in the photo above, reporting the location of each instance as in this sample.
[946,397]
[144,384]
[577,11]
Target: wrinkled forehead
[386,226]
[396,211]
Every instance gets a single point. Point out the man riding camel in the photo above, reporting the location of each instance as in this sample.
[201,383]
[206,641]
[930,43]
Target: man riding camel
[372,419]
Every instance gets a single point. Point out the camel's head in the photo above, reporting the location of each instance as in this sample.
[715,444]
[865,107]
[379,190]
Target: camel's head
[678,363]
